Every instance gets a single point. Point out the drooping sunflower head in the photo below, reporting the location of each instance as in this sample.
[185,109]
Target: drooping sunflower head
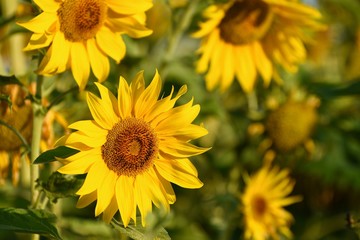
[82,34]
[291,124]
[263,202]
[247,38]
[133,148]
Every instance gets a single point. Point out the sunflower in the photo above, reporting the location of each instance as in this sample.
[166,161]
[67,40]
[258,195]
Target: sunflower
[83,33]
[263,201]
[245,37]
[135,146]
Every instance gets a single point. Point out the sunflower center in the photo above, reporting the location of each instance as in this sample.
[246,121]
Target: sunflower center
[81,19]
[246,21]
[259,206]
[130,147]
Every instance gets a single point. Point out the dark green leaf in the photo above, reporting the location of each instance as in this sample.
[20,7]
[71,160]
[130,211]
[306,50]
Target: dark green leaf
[61,186]
[5,80]
[51,155]
[328,91]
[139,232]
[28,221]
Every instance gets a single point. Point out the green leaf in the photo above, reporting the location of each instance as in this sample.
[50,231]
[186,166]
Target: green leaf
[61,186]
[139,232]
[28,221]
[5,80]
[329,91]
[51,155]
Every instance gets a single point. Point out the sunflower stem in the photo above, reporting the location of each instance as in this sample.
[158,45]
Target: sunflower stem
[177,34]
[39,114]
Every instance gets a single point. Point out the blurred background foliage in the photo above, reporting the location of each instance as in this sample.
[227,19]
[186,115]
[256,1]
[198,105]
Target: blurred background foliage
[320,105]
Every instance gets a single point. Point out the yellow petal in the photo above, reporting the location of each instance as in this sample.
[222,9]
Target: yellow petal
[97,171]
[105,192]
[129,7]
[124,99]
[110,210]
[98,60]
[208,47]
[137,86]
[102,114]
[41,23]
[38,40]
[170,194]
[185,133]
[228,67]
[125,197]
[80,65]
[155,189]
[165,104]
[177,118]
[89,127]
[178,172]
[142,200]
[85,200]
[82,165]
[111,43]
[245,71]
[263,64]
[48,6]
[80,137]
[149,97]
[212,78]
[56,59]
[130,26]
[109,101]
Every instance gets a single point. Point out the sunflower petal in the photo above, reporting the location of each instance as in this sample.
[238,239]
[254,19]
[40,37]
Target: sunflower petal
[86,199]
[178,172]
[80,65]
[105,192]
[110,210]
[98,60]
[97,171]
[124,99]
[142,199]
[125,197]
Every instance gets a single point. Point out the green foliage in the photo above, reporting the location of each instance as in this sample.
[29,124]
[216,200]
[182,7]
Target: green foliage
[5,80]
[60,186]
[28,221]
[52,154]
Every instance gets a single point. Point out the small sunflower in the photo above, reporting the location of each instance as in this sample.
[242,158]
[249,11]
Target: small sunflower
[83,33]
[245,37]
[135,146]
[265,195]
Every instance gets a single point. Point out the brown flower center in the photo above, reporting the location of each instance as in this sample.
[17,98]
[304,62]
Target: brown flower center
[246,21]
[130,147]
[81,19]
[259,206]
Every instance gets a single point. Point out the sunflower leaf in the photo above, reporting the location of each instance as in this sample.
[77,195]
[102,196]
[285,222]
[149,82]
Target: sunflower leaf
[51,155]
[139,232]
[28,221]
[60,186]
[5,80]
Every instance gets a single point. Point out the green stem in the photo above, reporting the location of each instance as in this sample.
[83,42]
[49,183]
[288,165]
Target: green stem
[39,114]
[177,34]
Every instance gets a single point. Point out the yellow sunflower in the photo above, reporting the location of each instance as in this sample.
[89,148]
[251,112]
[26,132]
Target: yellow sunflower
[245,37]
[83,33]
[135,146]
[265,195]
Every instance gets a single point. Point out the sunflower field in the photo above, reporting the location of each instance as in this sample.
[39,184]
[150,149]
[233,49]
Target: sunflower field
[180,119]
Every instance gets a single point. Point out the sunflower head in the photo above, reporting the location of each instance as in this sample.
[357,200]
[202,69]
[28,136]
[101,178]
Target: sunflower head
[291,124]
[246,38]
[265,195]
[133,148]
[82,34]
